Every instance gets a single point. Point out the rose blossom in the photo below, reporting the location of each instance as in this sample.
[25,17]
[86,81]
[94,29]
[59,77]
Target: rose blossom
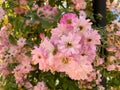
[2,13]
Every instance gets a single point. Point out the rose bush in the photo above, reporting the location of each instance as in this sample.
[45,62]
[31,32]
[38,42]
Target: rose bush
[55,45]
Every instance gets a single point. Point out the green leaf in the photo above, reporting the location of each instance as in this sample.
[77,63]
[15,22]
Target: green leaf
[52,2]
[45,23]
[10,83]
[111,1]
[12,40]
[12,66]
[28,53]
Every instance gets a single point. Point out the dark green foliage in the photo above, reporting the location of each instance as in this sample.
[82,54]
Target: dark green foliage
[12,40]
[110,16]
[10,83]
[54,81]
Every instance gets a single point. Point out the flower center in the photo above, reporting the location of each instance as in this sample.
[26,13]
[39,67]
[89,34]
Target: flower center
[65,60]
[83,54]
[69,44]
[39,57]
[55,51]
[69,21]
[81,28]
[89,39]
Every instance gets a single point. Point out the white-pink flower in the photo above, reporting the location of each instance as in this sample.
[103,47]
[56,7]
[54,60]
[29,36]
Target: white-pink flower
[47,11]
[4,71]
[82,25]
[110,67]
[79,4]
[21,42]
[70,44]
[57,32]
[82,14]
[40,56]
[40,86]
[23,2]
[2,13]
[92,37]
[118,33]
[80,70]
[47,45]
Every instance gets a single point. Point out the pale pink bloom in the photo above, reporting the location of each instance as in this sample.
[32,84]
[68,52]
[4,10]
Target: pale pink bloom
[40,86]
[35,7]
[20,10]
[92,76]
[92,37]
[100,87]
[23,2]
[20,57]
[21,42]
[111,5]
[63,62]
[79,4]
[111,58]
[2,13]
[55,11]
[40,56]
[118,33]
[48,46]
[19,76]
[21,71]
[117,54]
[70,44]
[74,69]
[58,32]
[5,42]
[67,50]
[13,50]
[80,71]
[4,71]
[25,62]
[87,53]
[46,61]
[4,28]
[28,85]
[27,22]
[3,50]
[99,61]
[99,76]
[68,19]
[82,14]
[111,49]
[110,67]
[47,11]
[8,58]
[4,33]
[1,47]
[116,22]
[118,67]
[82,25]
[37,22]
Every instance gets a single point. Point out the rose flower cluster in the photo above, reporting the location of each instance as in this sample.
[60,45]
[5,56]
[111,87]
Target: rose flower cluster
[70,49]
